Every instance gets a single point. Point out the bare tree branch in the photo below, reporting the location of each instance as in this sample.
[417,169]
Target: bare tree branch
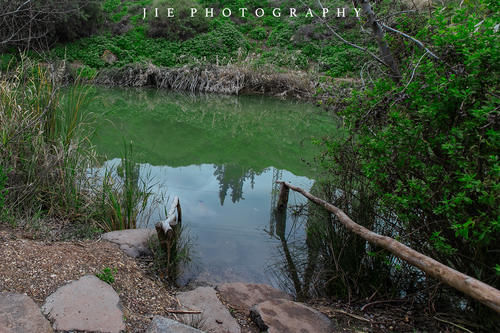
[378,33]
[416,41]
[27,22]
[342,39]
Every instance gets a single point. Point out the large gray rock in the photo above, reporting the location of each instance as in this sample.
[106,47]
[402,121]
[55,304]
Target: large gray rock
[216,317]
[282,315]
[19,314]
[88,304]
[243,296]
[134,242]
[165,325]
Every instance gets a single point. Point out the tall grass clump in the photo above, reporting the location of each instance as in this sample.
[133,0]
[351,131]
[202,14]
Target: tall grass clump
[44,151]
[3,191]
[125,195]
[47,160]
[172,267]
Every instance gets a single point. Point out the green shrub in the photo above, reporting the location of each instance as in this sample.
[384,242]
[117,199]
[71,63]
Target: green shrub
[338,60]
[428,148]
[181,26]
[109,6]
[258,33]
[6,60]
[86,72]
[280,36]
[107,275]
[223,41]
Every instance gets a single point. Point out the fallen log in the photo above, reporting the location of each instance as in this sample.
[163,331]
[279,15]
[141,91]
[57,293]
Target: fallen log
[474,288]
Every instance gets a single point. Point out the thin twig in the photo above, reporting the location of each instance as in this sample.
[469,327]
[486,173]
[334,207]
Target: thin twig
[183,311]
[416,41]
[352,315]
[378,302]
[414,70]
[453,324]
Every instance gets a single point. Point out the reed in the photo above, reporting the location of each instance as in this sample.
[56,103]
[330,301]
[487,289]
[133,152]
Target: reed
[125,195]
[43,146]
[46,157]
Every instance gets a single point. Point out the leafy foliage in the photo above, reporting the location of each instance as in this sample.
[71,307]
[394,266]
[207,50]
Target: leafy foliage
[282,42]
[107,275]
[180,27]
[427,148]
[125,195]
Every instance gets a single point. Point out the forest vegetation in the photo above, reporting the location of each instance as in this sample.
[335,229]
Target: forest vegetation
[418,160]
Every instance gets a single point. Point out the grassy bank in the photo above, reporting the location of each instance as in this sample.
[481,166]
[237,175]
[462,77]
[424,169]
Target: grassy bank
[268,45]
[46,161]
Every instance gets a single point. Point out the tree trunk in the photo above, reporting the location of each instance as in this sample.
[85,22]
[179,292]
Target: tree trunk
[378,33]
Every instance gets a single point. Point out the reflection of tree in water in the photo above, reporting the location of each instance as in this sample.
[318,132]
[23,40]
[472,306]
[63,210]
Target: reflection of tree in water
[327,259]
[290,270]
[233,176]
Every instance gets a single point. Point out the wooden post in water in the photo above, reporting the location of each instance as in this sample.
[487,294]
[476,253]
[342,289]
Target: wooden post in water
[283,198]
[474,288]
[168,233]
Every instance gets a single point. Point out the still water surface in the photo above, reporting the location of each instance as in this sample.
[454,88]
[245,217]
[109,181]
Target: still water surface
[221,155]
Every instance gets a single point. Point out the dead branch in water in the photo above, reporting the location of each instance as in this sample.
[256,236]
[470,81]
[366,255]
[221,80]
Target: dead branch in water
[168,233]
[474,288]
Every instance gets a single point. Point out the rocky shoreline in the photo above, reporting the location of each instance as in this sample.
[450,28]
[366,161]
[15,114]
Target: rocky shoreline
[88,304]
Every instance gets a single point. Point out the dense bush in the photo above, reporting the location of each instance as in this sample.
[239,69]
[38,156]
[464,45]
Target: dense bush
[427,148]
[224,41]
[128,48]
[180,27]
[258,33]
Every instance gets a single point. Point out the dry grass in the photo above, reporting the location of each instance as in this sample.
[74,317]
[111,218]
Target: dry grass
[230,79]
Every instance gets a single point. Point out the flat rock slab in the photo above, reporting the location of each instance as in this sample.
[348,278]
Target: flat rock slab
[87,304]
[243,296]
[19,314]
[282,315]
[165,325]
[134,242]
[216,317]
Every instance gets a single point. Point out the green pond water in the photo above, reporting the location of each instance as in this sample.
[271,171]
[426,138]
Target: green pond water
[221,155]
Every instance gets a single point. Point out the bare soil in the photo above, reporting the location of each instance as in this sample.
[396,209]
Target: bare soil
[38,268]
